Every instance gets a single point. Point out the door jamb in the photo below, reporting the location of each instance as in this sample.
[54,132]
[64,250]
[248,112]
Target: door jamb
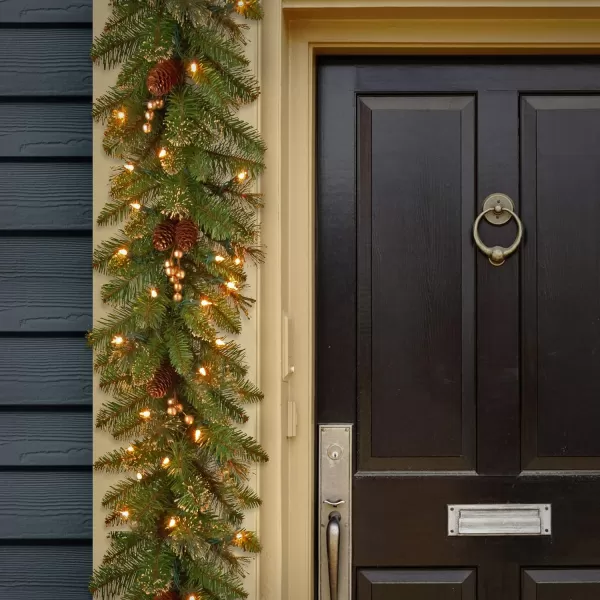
[292,40]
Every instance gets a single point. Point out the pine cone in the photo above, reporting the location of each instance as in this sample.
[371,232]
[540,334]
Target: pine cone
[164,76]
[164,235]
[186,235]
[162,382]
[170,595]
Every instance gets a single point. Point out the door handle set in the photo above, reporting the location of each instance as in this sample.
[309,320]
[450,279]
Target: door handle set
[335,499]
[498,209]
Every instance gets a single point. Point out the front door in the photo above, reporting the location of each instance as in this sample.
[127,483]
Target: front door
[465,382]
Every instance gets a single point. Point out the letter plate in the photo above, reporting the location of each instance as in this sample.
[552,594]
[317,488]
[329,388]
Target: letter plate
[499,519]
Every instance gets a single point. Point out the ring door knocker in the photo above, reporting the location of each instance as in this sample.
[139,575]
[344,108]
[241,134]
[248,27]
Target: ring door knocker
[497,210]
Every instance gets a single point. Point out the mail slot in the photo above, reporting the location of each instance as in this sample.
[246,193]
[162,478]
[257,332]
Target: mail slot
[499,519]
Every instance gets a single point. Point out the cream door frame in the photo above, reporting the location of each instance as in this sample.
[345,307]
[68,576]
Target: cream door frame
[293,35]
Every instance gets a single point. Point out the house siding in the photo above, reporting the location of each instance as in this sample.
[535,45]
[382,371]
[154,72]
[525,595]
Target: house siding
[45,299]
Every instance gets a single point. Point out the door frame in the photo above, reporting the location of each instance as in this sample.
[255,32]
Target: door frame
[295,33]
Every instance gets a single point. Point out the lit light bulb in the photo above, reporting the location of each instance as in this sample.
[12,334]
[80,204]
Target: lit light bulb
[202,371]
[147,128]
[241,3]
[242,174]
[219,258]
[125,514]
[153,292]
[197,435]
[117,340]
[192,597]
[205,302]
[178,253]
[220,342]
[167,264]
[135,205]
[239,536]
[139,476]
[238,261]
[130,449]
[188,419]
[129,167]
[162,153]
[150,105]
[145,414]
[171,411]
[231,285]
[171,401]
[121,115]
[123,251]
[172,522]
[165,461]
[149,115]
[194,67]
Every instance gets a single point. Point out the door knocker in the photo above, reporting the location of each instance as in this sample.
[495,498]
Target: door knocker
[497,210]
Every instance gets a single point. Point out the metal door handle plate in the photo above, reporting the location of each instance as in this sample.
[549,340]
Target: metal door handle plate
[333,553]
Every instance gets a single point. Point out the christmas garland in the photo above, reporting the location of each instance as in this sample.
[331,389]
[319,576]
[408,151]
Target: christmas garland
[182,192]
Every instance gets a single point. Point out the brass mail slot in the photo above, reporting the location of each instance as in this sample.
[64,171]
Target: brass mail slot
[499,519]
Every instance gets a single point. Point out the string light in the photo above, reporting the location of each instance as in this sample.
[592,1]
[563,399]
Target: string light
[231,285]
[220,342]
[129,167]
[149,115]
[125,514]
[139,476]
[117,340]
[219,258]
[172,522]
[197,435]
[238,261]
[147,128]
[241,3]
[188,419]
[153,292]
[165,461]
[121,115]
[171,411]
[130,449]
[205,302]
[202,371]
[123,251]
[242,174]
[168,264]
[150,105]
[162,153]
[171,401]
[135,205]
[239,536]
[194,67]
[177,253]
[145,414]
[192,597]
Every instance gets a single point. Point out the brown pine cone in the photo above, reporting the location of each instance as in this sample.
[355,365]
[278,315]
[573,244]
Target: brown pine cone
[170,595]
[162,381]
[186,235]
[164,235]
[164,76]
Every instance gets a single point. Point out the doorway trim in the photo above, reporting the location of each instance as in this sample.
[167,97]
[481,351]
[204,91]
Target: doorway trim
[295,33]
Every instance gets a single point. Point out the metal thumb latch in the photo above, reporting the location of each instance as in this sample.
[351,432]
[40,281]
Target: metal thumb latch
[497,210]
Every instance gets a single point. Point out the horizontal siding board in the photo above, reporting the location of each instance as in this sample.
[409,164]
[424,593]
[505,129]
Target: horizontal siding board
[45,371]
[57,129]
[45,284]
[46,196]
[45,572]
[45,439]
[46,11]
[45,62]
[49,505]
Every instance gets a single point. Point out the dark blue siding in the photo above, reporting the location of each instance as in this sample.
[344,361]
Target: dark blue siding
[45,299]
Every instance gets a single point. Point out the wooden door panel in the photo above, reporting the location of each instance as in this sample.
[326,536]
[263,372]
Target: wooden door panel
[416,585]
[416,367]
[561,584]
[561,282]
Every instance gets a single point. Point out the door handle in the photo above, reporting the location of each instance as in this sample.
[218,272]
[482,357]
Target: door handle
[497,209]
[333,553]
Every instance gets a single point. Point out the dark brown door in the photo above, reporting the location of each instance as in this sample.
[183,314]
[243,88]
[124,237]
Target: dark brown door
[467,383]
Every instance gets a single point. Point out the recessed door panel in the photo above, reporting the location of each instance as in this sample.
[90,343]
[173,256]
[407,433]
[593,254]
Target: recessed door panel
[561,283]
[561,584]
[416,585]
[416,282]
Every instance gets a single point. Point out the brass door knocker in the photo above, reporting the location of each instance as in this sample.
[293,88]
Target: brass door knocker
[497,210]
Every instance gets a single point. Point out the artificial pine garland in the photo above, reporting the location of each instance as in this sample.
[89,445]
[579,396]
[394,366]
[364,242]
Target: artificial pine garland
[176,268]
